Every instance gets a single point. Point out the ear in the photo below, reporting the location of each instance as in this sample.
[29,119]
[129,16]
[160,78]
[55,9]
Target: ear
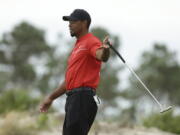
[85,23]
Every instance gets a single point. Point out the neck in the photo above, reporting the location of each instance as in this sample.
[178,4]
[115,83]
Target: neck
[82,34]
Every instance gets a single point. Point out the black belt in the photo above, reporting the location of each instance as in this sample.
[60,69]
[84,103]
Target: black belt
[81,89]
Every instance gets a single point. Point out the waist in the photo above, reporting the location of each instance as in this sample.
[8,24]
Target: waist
[81,89]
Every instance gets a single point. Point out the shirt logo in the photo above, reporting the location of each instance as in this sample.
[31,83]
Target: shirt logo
[80,48]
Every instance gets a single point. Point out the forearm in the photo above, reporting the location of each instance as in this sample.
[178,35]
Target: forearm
[58,92]
[103,54]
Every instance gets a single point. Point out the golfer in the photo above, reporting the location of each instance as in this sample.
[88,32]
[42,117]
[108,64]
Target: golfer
[82,76]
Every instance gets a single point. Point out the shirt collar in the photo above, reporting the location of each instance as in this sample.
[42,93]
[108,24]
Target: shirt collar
[84,37]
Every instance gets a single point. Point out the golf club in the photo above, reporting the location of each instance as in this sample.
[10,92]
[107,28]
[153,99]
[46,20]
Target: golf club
[162,108]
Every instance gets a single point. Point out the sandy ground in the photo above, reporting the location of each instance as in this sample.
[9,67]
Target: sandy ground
[100,128]
[120,131]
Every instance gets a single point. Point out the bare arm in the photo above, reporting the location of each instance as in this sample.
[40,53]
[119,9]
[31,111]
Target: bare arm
[57,93]
[103,52]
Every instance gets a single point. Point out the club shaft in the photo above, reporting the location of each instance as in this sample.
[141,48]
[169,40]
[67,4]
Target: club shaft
[137,77]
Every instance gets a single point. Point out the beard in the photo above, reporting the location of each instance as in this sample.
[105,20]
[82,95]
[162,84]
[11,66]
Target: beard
[72,33]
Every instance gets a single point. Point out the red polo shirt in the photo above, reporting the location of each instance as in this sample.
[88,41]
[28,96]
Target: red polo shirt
[83,68]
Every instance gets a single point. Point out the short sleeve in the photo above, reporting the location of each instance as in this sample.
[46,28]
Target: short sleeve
[93,48]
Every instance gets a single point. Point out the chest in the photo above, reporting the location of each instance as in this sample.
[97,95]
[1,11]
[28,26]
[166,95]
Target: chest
[80,51]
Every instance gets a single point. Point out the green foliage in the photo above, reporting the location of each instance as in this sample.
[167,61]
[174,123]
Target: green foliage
[55,71]
[166,122]
[108,88]
[19,100]
[21,47]
[4,76]
[28,60]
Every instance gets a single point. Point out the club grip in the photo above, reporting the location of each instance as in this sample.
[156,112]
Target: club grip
[116,52]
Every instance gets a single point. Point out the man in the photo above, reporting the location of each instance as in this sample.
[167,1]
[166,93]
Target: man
[82,76]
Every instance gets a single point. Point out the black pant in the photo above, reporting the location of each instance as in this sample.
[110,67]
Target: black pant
[80,111]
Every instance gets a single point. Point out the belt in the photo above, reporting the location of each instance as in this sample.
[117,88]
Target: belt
[81,89]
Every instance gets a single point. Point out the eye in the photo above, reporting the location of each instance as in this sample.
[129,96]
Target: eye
[72,22]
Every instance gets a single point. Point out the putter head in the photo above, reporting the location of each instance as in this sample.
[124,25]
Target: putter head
[166,109]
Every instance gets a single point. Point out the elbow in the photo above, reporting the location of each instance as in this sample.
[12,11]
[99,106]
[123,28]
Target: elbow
[103,55]
[105,58]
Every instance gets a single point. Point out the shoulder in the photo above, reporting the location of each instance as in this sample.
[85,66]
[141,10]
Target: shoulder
[93,39]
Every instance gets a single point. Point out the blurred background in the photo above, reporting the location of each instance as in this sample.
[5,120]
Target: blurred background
[34,46]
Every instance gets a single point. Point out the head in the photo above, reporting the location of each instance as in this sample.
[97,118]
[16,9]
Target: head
[79,22]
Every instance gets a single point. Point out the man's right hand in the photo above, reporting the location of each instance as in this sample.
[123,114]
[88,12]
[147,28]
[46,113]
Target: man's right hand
[103,52]
[45,105]
[48,101]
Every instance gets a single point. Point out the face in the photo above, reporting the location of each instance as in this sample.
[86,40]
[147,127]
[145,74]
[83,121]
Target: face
[76,27]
